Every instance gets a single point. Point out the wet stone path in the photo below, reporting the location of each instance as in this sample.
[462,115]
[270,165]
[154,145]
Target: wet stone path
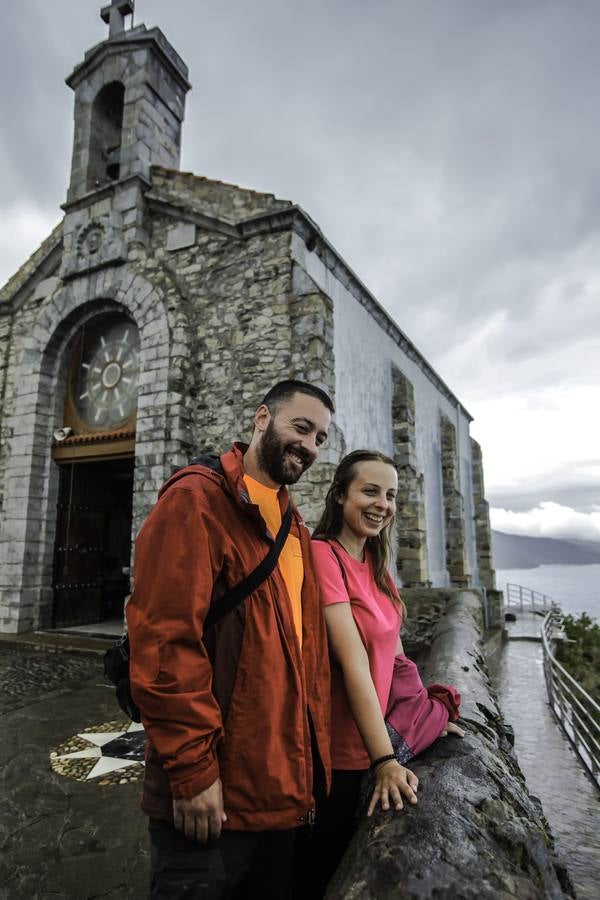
[70,823]
[570,800]
[23,675]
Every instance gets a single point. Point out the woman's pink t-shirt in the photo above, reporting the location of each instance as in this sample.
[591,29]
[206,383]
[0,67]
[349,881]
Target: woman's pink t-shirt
[378,621]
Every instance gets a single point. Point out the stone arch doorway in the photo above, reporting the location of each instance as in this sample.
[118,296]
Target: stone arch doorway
[28,515]
[94,450]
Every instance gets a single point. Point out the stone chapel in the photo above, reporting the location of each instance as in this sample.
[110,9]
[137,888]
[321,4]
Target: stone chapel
[147,327]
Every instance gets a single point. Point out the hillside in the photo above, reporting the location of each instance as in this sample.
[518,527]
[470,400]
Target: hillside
[515,551]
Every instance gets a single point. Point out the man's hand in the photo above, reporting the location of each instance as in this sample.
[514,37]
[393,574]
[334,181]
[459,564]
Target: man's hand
[202,817]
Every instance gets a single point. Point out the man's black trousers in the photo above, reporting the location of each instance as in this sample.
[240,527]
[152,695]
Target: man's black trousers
[237,866]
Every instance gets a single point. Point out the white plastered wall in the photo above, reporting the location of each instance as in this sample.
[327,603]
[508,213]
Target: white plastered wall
[364,354]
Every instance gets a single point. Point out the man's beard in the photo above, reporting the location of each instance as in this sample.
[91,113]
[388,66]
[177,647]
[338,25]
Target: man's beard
[273,457]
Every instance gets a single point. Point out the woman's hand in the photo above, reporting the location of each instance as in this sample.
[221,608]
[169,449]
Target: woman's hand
[451,728]
[392,781]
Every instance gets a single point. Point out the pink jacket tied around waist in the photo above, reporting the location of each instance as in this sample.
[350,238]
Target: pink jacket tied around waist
[418,714]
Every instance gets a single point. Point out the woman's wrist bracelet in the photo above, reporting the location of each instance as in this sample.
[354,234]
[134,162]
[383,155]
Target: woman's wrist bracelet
[382,759]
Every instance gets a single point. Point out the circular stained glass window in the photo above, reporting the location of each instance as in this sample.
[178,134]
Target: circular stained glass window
[105,373]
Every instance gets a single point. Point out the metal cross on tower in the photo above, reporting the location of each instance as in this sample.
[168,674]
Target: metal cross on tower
[114,15]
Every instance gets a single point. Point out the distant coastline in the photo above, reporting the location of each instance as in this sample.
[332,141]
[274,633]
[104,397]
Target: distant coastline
[515,551]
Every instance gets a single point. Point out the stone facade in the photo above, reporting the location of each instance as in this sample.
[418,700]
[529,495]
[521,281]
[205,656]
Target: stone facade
[229,290]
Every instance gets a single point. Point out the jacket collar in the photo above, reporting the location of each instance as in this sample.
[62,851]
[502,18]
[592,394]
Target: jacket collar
[232,463]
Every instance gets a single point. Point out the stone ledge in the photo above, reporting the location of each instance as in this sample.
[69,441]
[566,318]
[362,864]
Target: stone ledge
[476,832]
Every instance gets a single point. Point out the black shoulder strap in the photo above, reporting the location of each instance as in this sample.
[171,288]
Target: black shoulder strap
[250,583]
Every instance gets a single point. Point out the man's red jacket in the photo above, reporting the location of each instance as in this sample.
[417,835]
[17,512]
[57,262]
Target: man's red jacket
[203,536]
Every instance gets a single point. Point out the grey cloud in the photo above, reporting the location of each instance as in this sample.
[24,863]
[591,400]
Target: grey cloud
[448,151]
[583,498]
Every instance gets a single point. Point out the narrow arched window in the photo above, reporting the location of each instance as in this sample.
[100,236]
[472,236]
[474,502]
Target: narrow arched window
[105,135]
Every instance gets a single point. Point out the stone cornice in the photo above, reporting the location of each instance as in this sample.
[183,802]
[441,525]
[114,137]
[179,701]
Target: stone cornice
[131,40]
[107,190]
[174,210]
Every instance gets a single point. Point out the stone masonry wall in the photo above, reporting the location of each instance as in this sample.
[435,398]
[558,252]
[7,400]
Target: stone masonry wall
[411,544]
[233,298]
[219,321]
[483,532]
[453,507]
[248,324]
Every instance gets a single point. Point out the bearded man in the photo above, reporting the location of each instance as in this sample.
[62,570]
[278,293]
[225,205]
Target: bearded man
[237,715]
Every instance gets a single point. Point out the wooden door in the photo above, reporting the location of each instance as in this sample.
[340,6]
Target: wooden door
[93,542]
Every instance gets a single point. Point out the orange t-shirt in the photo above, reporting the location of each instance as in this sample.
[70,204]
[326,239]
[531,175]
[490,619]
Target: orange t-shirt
[290,561]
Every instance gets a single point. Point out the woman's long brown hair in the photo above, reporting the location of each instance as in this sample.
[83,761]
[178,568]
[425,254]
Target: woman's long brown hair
[332,518]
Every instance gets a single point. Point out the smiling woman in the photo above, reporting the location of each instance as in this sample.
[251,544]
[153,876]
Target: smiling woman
[381,713]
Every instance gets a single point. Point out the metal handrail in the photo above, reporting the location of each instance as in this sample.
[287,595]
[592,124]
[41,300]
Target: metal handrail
[523,598]
[577,713]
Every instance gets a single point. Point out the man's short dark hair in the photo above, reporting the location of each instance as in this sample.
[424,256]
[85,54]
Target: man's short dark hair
[285,390]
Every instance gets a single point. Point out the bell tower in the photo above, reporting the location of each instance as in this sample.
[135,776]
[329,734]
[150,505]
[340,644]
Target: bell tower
[129,107]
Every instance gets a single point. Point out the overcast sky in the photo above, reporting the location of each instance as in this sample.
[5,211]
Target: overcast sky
[450,152]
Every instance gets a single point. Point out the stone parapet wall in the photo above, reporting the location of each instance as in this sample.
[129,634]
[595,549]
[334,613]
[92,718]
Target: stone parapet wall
[476,832]
[454,514]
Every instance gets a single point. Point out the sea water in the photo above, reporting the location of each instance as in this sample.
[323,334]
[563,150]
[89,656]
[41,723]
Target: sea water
[575,588]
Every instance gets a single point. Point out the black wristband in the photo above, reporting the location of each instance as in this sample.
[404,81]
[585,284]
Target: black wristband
[381,759]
